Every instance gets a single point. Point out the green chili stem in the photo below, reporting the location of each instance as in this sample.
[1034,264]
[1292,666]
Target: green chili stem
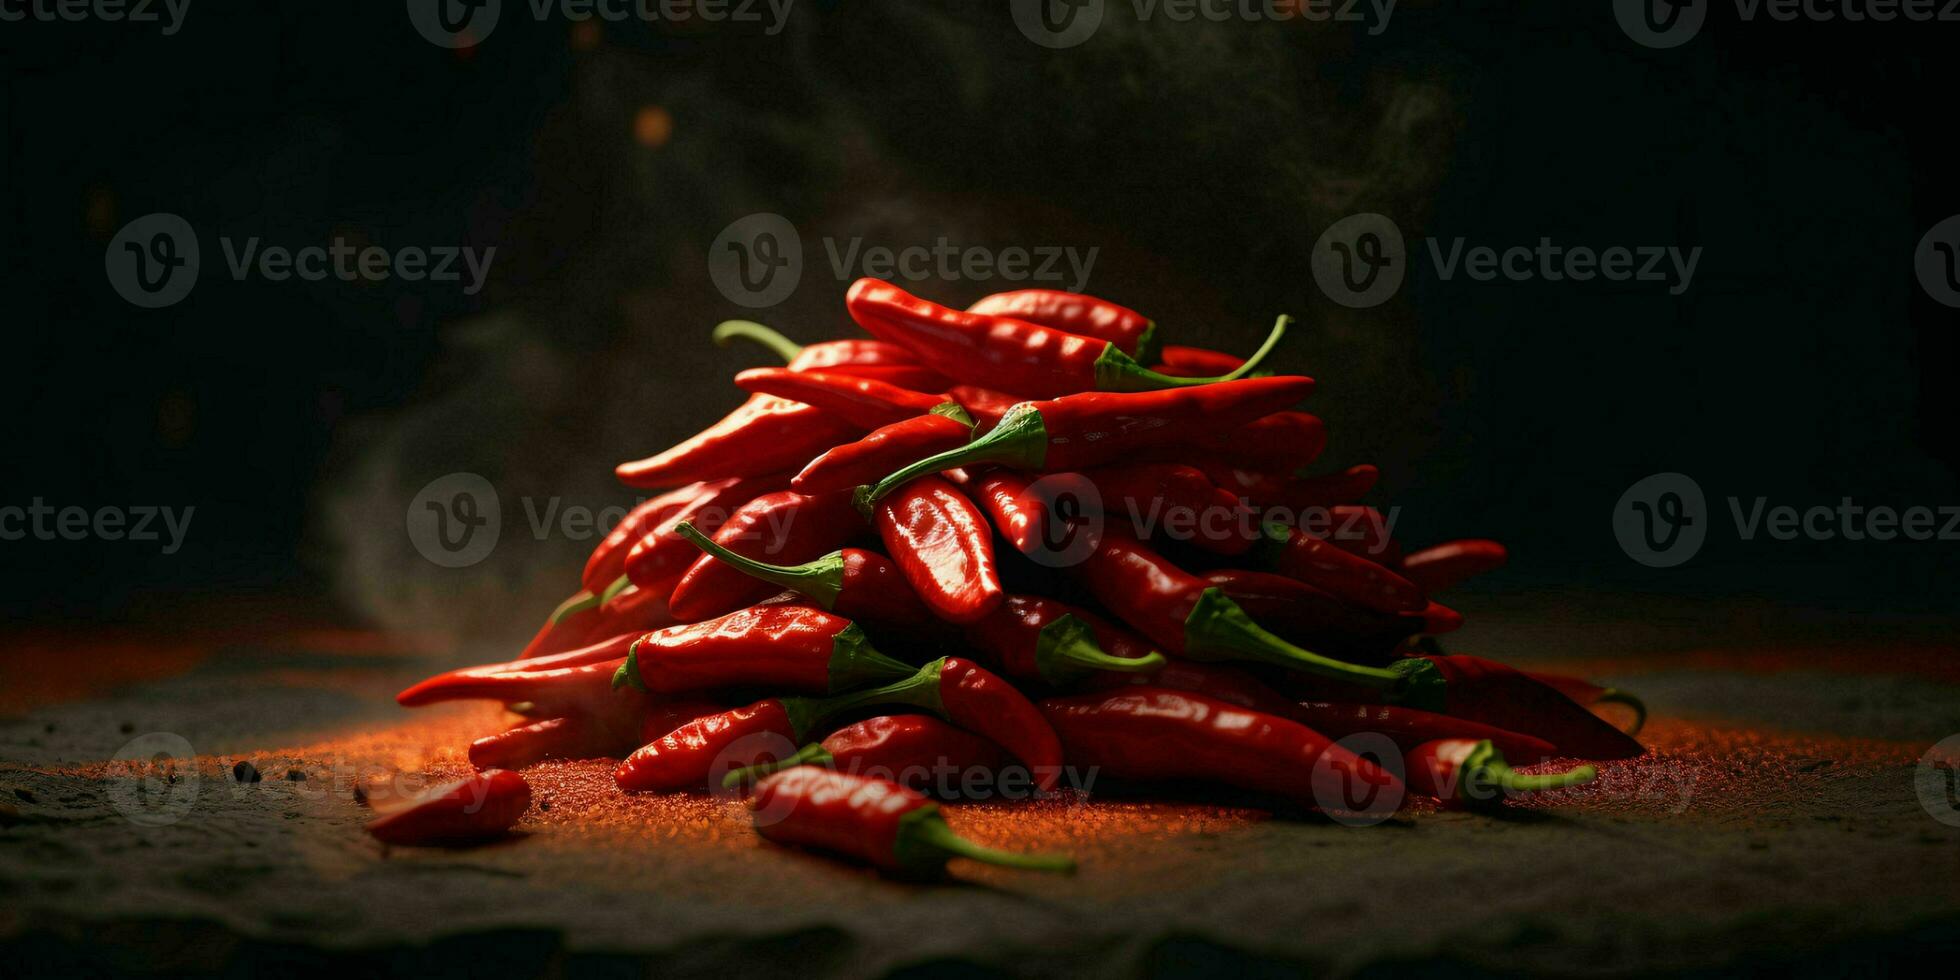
[612,592]
[813,754]
[925,830]
[1217,627]
[1117,371]
[729,330]
[1502,775]
[1066,649]
[1021,440]
[1613,695]
[822,579]
[578,603]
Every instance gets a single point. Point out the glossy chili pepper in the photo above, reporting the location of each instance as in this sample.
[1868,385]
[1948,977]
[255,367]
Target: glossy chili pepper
[911,750]
[1438,568]
[1011,355]
[1093,429]
[469,811]
[872,820]
[863,402]
[661,717]
[1299,555]
[608,560]
[689,756]
[778,527]
[1220,682]
[598,618]
[822,356]
[1316,619]
[763,435]
[1030,638]
[1587,693]
[1189,361]
[1409,727]
[1132,332]
[1179,502]
[566,625]
[1492,693]
[1468,771]
[944,548]
[1151,734]
[863,586]
[985,405]
[870,458]
[573,737]
[659,556]
[1035,520]
[979,701]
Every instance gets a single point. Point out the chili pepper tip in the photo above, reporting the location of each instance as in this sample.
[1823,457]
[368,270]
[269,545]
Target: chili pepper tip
[729,330]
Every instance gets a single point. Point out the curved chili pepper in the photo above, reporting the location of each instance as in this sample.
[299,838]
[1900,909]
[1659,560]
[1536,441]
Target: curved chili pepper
[911,750]
[1188,361]
[686,757]
[786,526]
[1180,501]
[573,737]
[1076,313]
[979,701]
[1034,639]
[469,811]
[860,585]
[660,555]
[1151,734]
[1585,692]
[1410,727]
[1492,693]
[863,402]
[1467,771]
[943,546]
[1311,617]
[1012,355]
[870,458]
[872,820]
[1450,563]
[763,435]
[1078,431]
[608,560]
[1299,555]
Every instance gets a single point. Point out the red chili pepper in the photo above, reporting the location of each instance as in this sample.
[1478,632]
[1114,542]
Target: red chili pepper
[660,555]
[1096,428]
[1035,522]
[863,402]
[1189,361]
[1438,568]
[1178,501]
[597,618]
[985,405]
[764,435]
[1410,727]
[469,811]
[608,560]
[1467,771]
[1315,619]
[1011,355]
[870,458]
[1130,331]
[911,750]
[686,757]
[1030,638]
[574,737]
[872,820]
[1492,693]
[979,701]
[1220,682]
[823,356]
[566,625]
[943,546]
[1279,443]
[1266,489]
[661,717]
[1299,555]
[782,527]
[1585,692]
[860,585]
[1152,734]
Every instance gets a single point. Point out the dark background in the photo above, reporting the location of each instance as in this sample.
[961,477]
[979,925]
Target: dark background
[1804,364]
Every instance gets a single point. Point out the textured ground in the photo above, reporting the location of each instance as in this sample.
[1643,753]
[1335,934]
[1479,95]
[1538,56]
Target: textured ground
[1776,825]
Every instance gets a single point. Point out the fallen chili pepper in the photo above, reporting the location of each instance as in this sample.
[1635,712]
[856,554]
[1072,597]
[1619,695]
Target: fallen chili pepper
[1178,501]
[944,548]
[872,820]
[911,750]
[1154,734]
[860,585]
[1438,568]
[1076,313]
[1078,431]
[573,737]
[1030,638]
[863,402]
[1469,771]
[1497,695]
[870,458]
[1409,727]
[1012,355]
[781,527]
[469,811]
[660,555]
[1299,555]
[1586,692]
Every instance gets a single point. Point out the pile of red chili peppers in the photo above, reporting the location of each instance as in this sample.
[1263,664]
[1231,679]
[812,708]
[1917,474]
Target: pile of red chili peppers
[1015,549]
